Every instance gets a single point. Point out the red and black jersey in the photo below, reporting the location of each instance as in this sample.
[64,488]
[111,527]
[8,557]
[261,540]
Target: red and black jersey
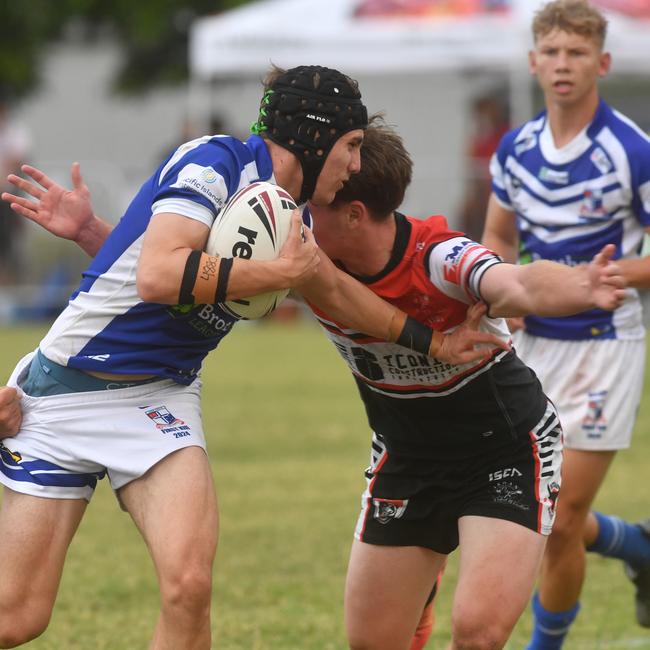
[434,275]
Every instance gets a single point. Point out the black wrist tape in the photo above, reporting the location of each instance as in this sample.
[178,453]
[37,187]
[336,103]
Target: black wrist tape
[225,266]
[416,336]
[186,297]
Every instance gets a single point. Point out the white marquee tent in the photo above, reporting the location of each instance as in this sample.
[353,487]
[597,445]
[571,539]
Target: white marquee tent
[423,70]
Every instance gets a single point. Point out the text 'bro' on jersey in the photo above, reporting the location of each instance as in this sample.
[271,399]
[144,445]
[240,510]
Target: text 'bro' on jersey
[106,326]
[570,202]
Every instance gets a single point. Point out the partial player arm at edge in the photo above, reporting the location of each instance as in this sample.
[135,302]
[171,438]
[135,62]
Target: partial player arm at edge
[637,270]
[355,306]
[64,213]
[548,288]
[10,412]
[500,233]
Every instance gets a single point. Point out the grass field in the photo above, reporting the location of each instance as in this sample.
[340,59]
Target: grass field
[288,442]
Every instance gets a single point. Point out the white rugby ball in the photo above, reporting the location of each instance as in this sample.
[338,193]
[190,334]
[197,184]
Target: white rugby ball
[254,225]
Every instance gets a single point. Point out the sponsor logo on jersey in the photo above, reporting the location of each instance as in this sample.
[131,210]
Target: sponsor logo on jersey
[594,423]
[453,261]
[98,357]
[592,208]
[387,509]
[553,176]
[166,422]
[205,181]
[601,161]
[209,175]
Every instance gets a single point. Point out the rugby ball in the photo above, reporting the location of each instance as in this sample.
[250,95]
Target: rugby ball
[254,225]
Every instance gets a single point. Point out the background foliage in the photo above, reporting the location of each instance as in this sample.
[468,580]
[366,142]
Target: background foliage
[152,36]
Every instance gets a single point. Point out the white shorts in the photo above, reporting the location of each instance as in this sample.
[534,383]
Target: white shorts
[67,442]
[595,385]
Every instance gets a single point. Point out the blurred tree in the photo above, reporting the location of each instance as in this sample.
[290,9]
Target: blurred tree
[153,35]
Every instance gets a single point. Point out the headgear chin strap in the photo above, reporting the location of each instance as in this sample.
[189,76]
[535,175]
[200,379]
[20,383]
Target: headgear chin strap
[306,110]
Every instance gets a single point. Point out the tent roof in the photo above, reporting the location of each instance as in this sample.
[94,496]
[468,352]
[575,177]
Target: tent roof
[246,40]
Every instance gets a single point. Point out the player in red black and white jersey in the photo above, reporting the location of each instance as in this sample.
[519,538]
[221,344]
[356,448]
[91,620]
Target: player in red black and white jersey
[462,455]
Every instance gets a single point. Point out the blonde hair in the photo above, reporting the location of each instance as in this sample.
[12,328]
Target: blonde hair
[574,16]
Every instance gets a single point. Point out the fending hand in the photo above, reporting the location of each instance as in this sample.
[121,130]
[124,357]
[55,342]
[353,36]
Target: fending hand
[65,213]
[461,345]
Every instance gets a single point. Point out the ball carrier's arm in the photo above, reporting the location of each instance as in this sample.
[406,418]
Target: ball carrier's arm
[69,214]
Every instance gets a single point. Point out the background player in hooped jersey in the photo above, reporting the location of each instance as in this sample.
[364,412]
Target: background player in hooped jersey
[113,387]
[574,178]
[462,455]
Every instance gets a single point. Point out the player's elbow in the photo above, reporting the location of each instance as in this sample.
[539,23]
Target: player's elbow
[151,285]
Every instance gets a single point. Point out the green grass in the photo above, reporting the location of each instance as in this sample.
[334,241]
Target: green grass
[288,441]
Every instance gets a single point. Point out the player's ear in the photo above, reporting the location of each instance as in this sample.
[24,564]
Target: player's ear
[605,64]
[357,214]
[532,62]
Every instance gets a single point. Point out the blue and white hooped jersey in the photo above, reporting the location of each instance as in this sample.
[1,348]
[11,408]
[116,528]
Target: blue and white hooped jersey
[570,202]
[106,327]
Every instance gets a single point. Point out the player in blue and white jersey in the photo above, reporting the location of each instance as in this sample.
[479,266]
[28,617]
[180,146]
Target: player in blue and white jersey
[114,387]
[574,178]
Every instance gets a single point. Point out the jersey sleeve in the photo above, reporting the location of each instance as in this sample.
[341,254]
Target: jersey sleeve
[196,181]
[456,267]
[498,170]
[640,170]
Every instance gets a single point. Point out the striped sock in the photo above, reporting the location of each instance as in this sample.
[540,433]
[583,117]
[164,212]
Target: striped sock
[622,540]
[550,627]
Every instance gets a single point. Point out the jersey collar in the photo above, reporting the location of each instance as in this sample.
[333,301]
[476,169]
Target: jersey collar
[402,236]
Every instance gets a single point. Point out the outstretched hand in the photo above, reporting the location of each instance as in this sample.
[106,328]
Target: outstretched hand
[460,346]
[65,213]
[606,279]
[10,412]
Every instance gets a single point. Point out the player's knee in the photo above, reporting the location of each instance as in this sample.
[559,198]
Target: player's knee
[188,591]
[17,628]
[567,528]
[468,634]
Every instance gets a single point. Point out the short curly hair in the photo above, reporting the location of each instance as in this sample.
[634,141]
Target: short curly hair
[574,16]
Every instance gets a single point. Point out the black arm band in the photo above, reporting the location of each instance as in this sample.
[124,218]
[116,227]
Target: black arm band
[416,336]
[186,297]
[225,266]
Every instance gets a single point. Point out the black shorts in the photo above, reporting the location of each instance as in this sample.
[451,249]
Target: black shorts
[413,500]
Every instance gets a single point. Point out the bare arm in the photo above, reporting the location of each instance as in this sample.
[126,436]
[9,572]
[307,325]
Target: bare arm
[170,238]
[637,271]
[355,306]
[65,213]
[500,234]
[550,289]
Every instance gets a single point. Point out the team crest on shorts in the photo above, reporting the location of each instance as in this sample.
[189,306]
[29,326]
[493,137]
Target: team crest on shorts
[509,493]
[387,509]
[551,498]
[162,417]
[166,422]
[594,423]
